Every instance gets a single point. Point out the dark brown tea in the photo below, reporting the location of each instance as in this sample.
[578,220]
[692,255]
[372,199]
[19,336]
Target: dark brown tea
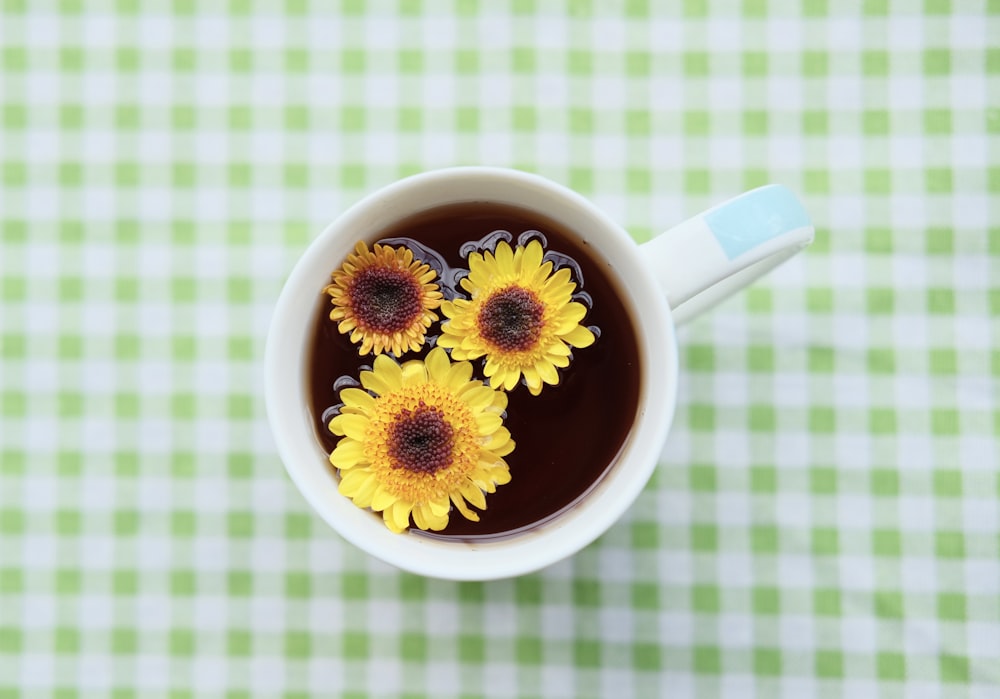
[570,434]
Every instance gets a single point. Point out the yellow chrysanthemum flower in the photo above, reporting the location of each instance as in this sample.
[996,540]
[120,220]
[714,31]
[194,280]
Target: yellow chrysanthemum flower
[422,438]
[519,315]
[385,299]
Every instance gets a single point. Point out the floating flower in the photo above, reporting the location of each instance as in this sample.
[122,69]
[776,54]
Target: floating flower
[519,315]
[385,299]
[422,438]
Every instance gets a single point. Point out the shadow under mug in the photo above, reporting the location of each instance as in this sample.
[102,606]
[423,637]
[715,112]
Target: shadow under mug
[666,281]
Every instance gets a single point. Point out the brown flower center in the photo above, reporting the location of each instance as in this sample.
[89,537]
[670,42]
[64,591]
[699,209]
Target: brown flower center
[421,440]
[385,299]
[511,319]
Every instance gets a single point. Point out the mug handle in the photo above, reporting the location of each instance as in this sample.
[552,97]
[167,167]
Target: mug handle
[710,257]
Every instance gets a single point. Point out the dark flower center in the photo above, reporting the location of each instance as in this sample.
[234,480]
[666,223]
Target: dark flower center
[420,440]
[385,299]
[511,319]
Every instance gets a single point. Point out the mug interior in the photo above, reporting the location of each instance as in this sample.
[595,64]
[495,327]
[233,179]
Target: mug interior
[287,380]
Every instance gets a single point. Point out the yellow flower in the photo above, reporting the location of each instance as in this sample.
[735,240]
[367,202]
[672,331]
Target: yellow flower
[385,299]
[422,438]
[519,315]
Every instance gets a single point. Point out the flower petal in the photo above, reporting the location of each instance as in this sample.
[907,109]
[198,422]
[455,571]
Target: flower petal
[488,423]
[532,379]
[491,367]
[357,398]
[511,378]
[401,514]
[478,398]
[505,448]
[558,280]
[388,369]
[579,337]
[558,359]
[447,341]
[480,272]
[461,354]
[413,373]
[499,443]
[352,425]
[352,482]
[547,372]
[450,309]
[334,425]
[438,364]
[474,495]
[570,314]
[363,496]
[463,509]
[382,498]
[501,476]
[539,275]
[499,401]
[559,349]
[418,518]
[367,342]
[530,259]
[347,454]
[505,260]
[390,522]
[432,521]
[459,374]
[439,507]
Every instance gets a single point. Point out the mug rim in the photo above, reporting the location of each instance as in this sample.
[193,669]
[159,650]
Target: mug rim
[286,368]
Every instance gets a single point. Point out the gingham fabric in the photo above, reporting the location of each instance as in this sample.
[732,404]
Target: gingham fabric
[826,518]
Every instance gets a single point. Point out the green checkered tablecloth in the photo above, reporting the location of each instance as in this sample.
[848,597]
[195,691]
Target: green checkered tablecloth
[826,518]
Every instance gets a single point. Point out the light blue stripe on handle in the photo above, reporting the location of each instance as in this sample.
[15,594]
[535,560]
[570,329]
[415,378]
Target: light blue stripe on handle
[711,256]
[747,221]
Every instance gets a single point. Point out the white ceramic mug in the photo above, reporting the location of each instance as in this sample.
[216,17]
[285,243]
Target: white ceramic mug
[663,282]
